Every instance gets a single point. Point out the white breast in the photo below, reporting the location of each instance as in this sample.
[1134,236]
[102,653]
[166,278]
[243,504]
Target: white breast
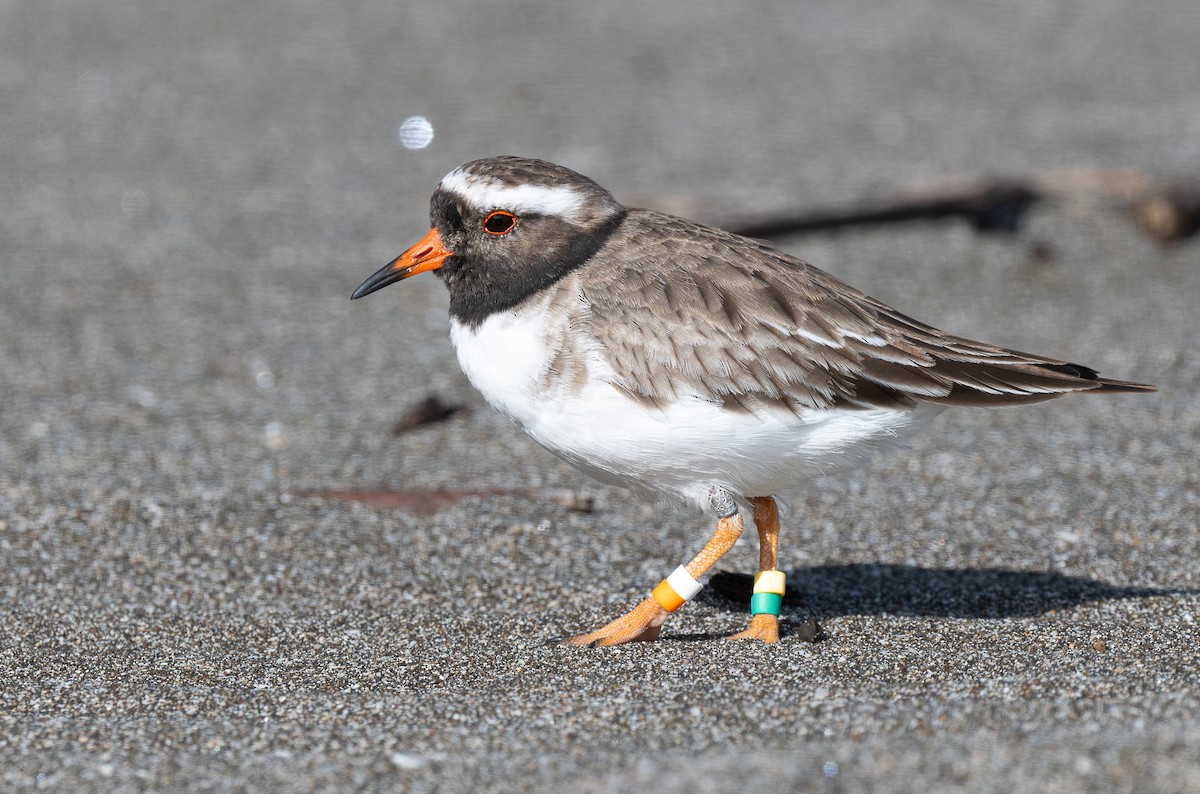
[506,358]
[680,450]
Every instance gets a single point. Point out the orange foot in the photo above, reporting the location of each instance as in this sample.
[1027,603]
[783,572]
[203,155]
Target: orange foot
[762,627]
[641,624]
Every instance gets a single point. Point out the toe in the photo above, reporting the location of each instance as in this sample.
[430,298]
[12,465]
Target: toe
[642,624]
[764,628]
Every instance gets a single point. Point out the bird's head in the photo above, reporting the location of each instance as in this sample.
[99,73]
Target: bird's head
[504,228]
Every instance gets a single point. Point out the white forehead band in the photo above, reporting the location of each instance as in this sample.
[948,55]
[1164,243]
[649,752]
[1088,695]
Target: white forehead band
[561,200]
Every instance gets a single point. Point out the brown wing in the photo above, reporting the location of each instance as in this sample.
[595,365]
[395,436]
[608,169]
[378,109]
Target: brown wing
[749,325]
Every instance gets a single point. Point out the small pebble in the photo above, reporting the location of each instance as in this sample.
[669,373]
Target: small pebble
[809,631]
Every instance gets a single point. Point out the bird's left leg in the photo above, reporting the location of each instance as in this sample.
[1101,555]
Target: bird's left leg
[644,622]
[768,583]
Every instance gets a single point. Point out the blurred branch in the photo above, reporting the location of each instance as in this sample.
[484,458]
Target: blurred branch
[425,501]
[1168,212]
[993,206]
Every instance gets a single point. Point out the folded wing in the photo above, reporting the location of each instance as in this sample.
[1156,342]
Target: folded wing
[751,326]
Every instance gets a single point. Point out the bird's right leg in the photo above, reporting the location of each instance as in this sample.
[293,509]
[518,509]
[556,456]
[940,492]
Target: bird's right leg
[644,622]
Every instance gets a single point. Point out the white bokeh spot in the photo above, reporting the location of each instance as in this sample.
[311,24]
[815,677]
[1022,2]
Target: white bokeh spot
[416,132]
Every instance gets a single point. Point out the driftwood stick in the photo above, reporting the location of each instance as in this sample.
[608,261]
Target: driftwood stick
[425,501]
[994,206]
[1167,212]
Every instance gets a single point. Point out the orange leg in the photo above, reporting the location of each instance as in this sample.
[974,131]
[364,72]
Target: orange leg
[644,622]
[766,519]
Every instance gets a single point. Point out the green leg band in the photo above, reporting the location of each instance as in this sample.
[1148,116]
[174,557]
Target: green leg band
[765,604]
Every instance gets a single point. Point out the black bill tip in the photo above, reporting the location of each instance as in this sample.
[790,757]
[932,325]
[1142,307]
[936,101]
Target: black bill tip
[388,274]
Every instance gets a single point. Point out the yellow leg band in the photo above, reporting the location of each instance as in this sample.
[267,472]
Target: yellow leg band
[770,582]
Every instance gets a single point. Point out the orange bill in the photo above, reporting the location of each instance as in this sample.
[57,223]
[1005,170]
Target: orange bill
[428,254]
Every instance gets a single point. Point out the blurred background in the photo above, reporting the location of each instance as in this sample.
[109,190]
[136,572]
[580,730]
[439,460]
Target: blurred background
[190,191]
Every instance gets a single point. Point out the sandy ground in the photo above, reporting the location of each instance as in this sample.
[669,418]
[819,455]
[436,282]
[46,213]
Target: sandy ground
[190,193]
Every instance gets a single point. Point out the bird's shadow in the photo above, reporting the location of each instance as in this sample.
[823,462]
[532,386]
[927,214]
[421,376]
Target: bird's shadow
[826,591]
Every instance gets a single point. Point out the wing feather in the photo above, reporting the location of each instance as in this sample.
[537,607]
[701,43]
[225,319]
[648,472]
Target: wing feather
[751,326]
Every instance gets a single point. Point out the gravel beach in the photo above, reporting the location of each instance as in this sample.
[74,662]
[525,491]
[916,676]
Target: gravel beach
[191,192]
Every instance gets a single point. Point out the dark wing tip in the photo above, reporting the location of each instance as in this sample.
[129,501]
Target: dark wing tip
[1074,370]
[1102,384]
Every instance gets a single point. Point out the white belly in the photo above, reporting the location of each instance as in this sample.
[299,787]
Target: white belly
[680,451]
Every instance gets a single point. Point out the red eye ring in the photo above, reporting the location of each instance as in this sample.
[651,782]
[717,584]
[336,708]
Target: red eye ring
[499,223]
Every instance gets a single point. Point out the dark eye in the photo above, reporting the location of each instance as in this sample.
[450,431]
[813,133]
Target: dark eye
[499,223]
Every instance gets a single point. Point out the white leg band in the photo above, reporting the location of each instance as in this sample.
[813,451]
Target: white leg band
[684,583]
